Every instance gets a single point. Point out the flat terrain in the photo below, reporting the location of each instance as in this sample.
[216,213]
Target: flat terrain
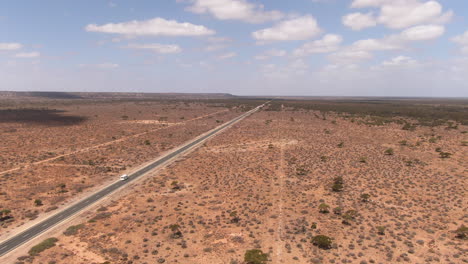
[268,182]
[54,150]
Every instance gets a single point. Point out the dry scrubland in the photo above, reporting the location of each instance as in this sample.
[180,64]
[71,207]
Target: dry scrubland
[273,183]
[54,150]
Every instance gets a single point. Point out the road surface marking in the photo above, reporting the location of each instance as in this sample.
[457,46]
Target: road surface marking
[25,235]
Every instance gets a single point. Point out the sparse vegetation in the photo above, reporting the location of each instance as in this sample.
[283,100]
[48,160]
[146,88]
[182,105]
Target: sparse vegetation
[462,232]
[255,256]
[73,230]
[338,184]
[46,244]
[322,241]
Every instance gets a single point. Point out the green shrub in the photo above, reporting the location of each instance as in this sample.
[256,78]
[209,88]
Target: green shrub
[337,184]
[338,210]
[462,232]
[445,155]
[324,208]
[46,244]
[322,241]
[255,256]
[365,197]
[73,230]
[389,152]
[340,145]
[349,216]
[38,202]
[381,230]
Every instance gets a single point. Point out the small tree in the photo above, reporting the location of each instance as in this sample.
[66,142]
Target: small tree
[349,216]
[363,159]
[381,230]
[255,256]
[5,214]
[338,210]
[337,184]
[324,208]
[462,232]
[38,202]
[341,144]
[322,241]
[147,142]
[389,152]
[176,233]
[235,217]
[445,155]
[365,197]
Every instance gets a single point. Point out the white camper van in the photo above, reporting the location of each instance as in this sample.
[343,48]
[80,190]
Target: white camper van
[124,177]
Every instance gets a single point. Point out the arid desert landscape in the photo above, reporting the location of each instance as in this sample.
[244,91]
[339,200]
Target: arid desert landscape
[302,180]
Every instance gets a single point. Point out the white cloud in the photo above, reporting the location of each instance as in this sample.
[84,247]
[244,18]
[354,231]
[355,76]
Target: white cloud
[425,32]
[152,27]
[369,3]
[350,56]
[271,53]
[358,21]
[376,44]
[157,48]
[328,43]
[398,14]
[300,28]
[10,46]
[27,55]
[228,55]
[234,10]
[462,40]
[400,61]
[107,65]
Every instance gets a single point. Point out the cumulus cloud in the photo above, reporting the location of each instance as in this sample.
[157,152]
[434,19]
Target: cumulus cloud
[328,43]
[425,32]
[10,46]
[27,55]
[400,61]
[359,21]
[226,56]
[388,43]
[152,27]
[157,48]
[271,53]
[399,14]
[234,10]
[300,28]
[462,40]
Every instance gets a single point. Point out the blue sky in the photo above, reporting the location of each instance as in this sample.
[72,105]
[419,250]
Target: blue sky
[244,47]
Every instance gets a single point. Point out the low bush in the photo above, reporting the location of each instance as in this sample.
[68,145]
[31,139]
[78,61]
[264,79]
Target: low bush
[46,244]
[322,241]
[255,256]
[73,230]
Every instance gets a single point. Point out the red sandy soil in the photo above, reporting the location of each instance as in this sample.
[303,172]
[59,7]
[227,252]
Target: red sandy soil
[54,162]
[260,183]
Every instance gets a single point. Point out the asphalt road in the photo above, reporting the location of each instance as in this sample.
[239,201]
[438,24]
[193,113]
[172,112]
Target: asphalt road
[21,238]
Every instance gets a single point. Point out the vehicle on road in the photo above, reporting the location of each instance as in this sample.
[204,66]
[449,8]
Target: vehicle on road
[124,177]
